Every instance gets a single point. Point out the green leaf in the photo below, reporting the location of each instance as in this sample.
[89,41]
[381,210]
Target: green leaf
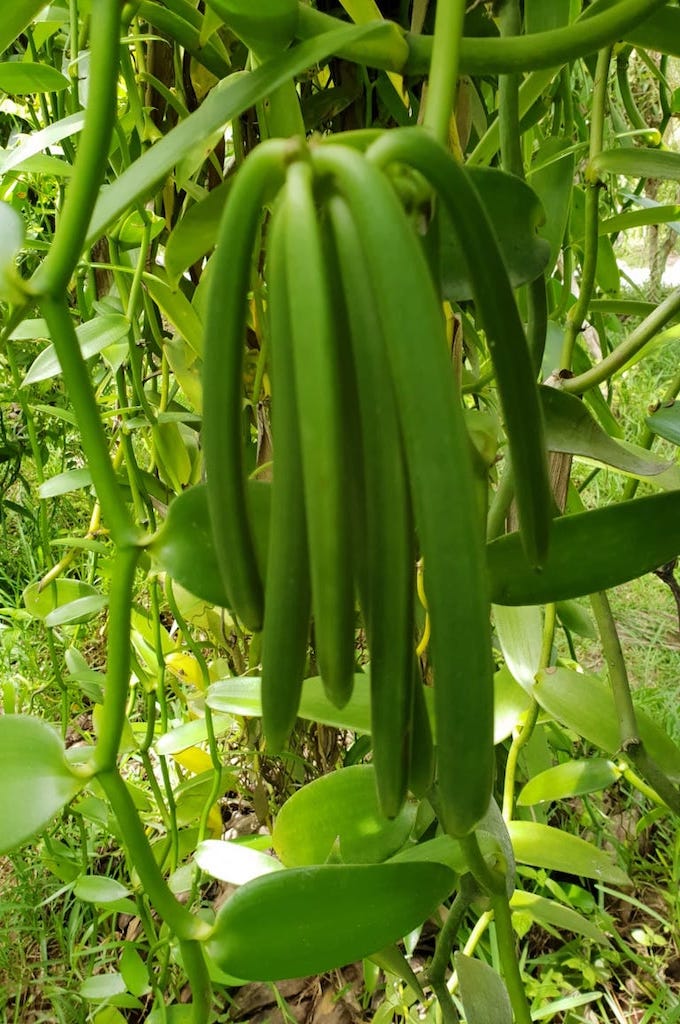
[589,551]
[20,78]
[34,143]
[654,213]
[195,233]
[484,995]
[520,634]
[305,921]
[12,234]
[177,308]
[542,17]
[660,32]
[665,421]
[241,696]
[134,971]
[516,213]
[576,619]
[265,27]
[573,778]
[585,704]
[233,862]
[552,914]
[93,336]
[36,780]
[190,733]
[184,545]
[101,987]
[551,180]
[340,808]
[542,846]
[65,483]
[510,702]
[569,427]
[226,101]
[637,163]
[74,612]
[40,603]
[15,17]
[99,889]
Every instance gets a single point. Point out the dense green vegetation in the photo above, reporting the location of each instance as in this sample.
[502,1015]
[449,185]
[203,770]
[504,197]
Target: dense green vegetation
[340,505]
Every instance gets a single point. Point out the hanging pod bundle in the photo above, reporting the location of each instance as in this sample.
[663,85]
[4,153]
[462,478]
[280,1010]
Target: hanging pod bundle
[372,459]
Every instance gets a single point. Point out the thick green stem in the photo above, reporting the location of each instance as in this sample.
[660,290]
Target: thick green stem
[81,394]
[628,349]
[631,743]
[482,56]
[510,24]
[184,924]
[53,275]
[578,311]
[118,659]
[446,939]
[199,979]
[448,31]
[494,884]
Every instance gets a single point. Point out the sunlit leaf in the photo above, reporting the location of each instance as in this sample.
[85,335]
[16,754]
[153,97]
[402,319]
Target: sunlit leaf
[35,779]
[573,778]
[339,809]
[543,846]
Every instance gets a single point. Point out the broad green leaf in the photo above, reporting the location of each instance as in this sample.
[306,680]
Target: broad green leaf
[15,17]
[195,233]
[177,308]
[569,427]
[665,421]
[585,704]
[510,702]
[305,921]
[542,846]
[266,27]
[101,987]
[660,32]
[241,696]
[35,779]
[93,336]
[74,612]
[12,234]
[20,78]
[189,734]
[484,995]
[573,778]
[39,603]
[552,181]
[654,214]
[339,809]
[542,17]
[99,889]
[65,483]
[191,796]
[520,634]
[171,455]
[576,619]
[230,98]
[133,970]
[637,163]
[552,914]
[29,330]
[516,213]
[29,145]
[233,862]
[186,369]
[184,546]
[589,551]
